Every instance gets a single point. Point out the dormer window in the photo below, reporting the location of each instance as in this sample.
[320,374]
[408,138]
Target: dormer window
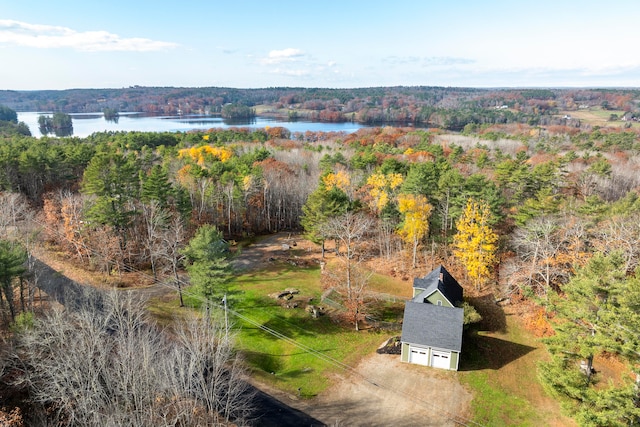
[439,302]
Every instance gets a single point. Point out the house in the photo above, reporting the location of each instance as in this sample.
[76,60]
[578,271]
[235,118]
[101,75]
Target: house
[432,325]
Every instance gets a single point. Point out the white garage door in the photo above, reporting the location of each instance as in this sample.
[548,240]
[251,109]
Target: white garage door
[441,359]
[419,356]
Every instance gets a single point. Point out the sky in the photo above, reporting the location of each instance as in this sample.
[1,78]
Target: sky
[67,44]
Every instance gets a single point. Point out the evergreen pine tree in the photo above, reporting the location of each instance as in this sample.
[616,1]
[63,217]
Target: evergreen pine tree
[207,262]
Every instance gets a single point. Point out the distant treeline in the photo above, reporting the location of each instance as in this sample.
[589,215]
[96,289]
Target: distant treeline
[444,107]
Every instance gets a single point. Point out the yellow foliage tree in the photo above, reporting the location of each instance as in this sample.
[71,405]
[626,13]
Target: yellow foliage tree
[339,179]
[415,227]
[475,243]
[199,154]
[247,183]
[381,185]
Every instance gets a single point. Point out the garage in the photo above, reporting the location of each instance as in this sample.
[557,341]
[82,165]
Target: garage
[441,359]
[419,356]
[432,333]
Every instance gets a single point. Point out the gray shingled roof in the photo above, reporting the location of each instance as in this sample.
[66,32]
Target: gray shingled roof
[448,286]
[433,326]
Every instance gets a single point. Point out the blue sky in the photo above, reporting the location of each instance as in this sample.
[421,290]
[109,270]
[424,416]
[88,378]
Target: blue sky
[249,44]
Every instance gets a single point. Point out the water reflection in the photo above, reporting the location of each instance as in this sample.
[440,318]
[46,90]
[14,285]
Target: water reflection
[63,132]
[84,124]
[240,122]
[59,124]
[85,116]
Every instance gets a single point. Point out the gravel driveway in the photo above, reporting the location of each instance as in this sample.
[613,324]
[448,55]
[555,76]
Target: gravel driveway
[386,392]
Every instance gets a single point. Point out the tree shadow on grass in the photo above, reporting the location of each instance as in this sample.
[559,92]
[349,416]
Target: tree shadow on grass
[259,302]
[493,316]
[279,327]
[270,363]
[290,327]
[486,352]
[274,363]
[250,279]
[296,373]
[480,351]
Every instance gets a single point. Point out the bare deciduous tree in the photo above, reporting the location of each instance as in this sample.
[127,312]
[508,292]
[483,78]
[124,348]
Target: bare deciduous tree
[620,233]
[389,243]
[14,210]
[73,230]
[106,365]
[538,244]
[155,220]
[173,239]
[349,279]
[548,248]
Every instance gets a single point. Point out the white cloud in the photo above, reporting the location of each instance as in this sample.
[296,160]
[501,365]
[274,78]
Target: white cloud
[429,61]
[284,55]
[293,73]
[51,37]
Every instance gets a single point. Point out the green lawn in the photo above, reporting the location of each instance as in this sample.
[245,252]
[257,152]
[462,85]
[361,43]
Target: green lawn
[312,349]
[500,369]
[493,405]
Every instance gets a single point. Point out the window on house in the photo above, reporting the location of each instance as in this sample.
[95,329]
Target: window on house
[439,302]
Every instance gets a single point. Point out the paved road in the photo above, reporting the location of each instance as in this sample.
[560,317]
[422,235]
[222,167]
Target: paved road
[65,291]
[271,412]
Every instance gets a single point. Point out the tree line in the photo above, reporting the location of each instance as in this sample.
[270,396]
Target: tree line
[9,124]
[450,108]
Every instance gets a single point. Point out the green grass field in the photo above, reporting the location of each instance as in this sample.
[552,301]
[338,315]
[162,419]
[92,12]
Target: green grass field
[306,350]
[501,370]
[317,346]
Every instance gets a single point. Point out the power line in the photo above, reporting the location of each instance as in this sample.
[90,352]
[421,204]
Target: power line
[457,419]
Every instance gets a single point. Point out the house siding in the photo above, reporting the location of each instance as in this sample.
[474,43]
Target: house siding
[454,361]
[404,354]
[437,296]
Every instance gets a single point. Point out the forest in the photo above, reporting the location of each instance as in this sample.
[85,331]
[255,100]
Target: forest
[539,208]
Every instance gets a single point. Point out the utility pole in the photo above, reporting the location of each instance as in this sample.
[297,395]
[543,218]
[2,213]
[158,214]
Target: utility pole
[226,316]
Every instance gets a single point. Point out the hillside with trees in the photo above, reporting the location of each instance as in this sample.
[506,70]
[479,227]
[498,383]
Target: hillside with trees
[445,107]
[533,208]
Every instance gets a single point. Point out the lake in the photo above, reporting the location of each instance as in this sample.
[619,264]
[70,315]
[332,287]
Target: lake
[84,124]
